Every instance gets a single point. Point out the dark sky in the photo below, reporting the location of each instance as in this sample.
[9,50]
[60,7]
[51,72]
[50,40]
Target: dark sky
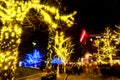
[95,15]
[92,15]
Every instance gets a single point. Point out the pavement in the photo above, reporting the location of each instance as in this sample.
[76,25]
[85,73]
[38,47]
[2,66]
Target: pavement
[64,76]
[60,77]
[72,77]
[32,77]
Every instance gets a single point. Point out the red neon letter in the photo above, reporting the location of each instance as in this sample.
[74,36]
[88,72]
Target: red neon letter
[83,35]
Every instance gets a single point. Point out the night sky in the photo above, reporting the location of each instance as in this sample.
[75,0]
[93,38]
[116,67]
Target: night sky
[92,15]
[96,14]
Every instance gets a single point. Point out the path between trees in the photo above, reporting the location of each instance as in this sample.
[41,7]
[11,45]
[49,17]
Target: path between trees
[63,76]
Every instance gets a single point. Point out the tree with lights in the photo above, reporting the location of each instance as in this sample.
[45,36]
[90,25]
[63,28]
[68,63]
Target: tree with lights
[10,34]
[63,47]
[33,59]
[106,47]
[117,32]
[13,13]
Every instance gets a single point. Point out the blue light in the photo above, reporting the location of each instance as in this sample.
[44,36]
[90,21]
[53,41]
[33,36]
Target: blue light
[57,61]
[33,59]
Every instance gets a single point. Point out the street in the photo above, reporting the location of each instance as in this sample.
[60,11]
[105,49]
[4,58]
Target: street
[60,77]
[82,76]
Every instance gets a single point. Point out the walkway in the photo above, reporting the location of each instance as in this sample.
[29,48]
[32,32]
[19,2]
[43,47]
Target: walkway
[70,77]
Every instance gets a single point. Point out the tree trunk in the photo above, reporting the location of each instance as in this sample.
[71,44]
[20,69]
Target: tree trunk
[58,71]
[7,75]
[64,68]
[111,61]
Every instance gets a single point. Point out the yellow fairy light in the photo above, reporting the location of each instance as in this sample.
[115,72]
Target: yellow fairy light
[7,53]
[63,51]
[12,40]
[17,10]
[6,67]
[13,34]
[6,35]
[107,50]
[18,41]
[7,57]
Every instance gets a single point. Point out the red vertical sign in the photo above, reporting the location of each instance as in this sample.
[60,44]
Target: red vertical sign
[83,35]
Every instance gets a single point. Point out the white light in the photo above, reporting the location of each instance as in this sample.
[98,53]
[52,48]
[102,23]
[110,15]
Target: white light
[91,39]
[98,36]
[115,39]
[34,44]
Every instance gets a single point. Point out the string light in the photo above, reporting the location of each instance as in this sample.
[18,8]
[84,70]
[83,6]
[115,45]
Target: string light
[63,46]
[107,49]
[16,11]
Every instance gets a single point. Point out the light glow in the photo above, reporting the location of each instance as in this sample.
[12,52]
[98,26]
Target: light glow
[56,61]
[13,14]
[63,46]
[8,49]
[33,59]
[108,48]
[83,35]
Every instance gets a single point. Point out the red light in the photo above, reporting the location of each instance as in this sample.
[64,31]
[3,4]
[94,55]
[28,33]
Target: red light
[83,36]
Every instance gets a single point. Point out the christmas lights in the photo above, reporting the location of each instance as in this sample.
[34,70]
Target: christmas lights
[106,46]
[63,46]
[34,58]
[12,15]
